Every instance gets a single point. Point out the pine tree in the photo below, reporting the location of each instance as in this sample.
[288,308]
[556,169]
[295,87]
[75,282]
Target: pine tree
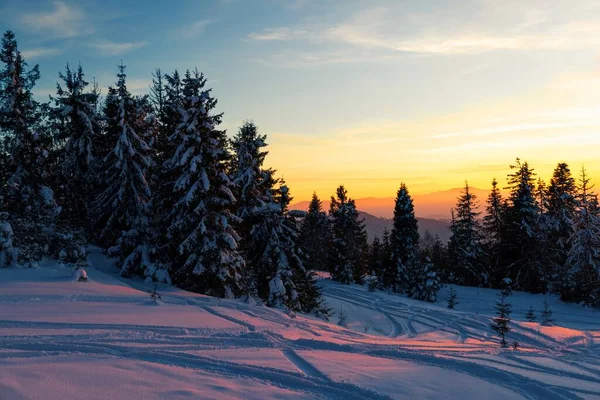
[581,282]
[314,235]
[492,228]
[465,247]
[546,314]
[348,239]
[253,190]
[201,243]
[290,284]
[122,208]
[8,254]
[26,194]
[561,206]
[530,314]
[500,323]
[541,195]
[424,283]
[252,181]
[388,274]
[521,244]
[404,241]
[75,112]
[451,299]
[376,266]
[158,100]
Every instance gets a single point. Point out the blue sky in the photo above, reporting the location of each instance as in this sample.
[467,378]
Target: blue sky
[431,92]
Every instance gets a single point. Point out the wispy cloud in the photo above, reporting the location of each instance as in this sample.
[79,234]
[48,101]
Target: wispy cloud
[39,53]
[63,21]
[377,29]
[113,49]
[278,34]
[194,29]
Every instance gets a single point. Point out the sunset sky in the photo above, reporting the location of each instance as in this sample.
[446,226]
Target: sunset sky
[361,93]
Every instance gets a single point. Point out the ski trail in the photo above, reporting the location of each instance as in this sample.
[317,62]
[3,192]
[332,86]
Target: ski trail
[302,365]
[396,329]
[212,311]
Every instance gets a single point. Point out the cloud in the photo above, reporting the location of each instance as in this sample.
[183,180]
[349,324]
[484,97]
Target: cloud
[194,29]
[113,49]
[39,52]
[278,34]
[498,26]
[64,21]
[138,86]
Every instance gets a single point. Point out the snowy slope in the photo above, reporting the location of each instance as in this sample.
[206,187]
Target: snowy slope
[61,339]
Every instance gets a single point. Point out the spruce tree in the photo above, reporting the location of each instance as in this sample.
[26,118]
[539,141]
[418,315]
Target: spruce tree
[465,247]
[501,322]
[530,314]
[121,210]
[25,192]
[451,299]
[581,281]
[404,241]
[348,240]
[561,204]
[8,254]
[314,235]
[546,314]
[388,274]
[75,111]
[522,245]
[201,243]
[277,260]
[375,258]
[253,190]
[492,228]
[424,282]
[252,180]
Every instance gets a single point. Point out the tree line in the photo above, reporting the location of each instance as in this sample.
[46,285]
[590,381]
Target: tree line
[154,181]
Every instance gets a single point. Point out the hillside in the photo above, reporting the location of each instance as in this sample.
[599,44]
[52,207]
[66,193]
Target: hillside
[436,205]
[376,225]
[105,339]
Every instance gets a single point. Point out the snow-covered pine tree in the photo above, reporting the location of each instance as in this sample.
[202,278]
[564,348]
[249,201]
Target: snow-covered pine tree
[581,282]
[546,314]
[26,194]
[348,240]
[493,228]
[314,235]
[121,209]
[530,314]
[404,241]
[541,195]
[199,200]
[467,257]
[158,100]
[521,242]
[275,257]
[500,323]
[388,273]
[376,264]
[8,254]
[559,222]
[253,190]
[252,181]
[424,283]
[451,298]
[75,113]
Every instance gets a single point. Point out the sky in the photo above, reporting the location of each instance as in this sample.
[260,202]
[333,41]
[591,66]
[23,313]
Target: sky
[367,94]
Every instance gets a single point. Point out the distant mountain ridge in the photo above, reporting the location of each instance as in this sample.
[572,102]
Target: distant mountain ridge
[436,205]
[376,225]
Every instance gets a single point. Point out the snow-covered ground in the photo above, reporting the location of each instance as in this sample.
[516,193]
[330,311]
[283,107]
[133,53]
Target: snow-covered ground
[105,339]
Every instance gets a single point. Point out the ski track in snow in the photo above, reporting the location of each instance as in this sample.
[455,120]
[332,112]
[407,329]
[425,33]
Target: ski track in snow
[552,363]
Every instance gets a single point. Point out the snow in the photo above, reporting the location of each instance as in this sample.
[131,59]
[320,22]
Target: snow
[105,338]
